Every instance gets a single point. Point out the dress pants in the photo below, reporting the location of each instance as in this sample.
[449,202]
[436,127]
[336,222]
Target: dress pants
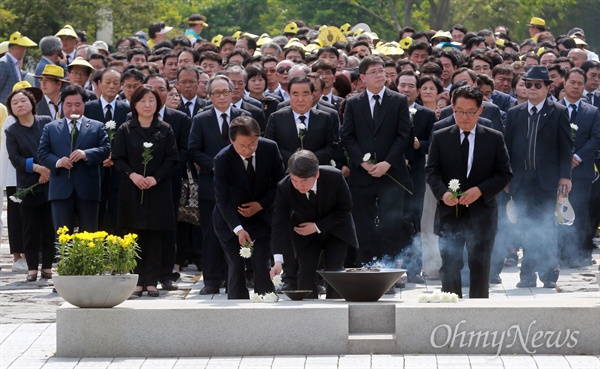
[14,223]
[213,259]
[261,261]
[537,229]
[377,212]
[63,213]
[38,235]
[479,251]
[334,253]
[148,265]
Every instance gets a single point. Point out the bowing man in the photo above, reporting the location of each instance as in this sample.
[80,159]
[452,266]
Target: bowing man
[477,157]
[246,174]
[313,203]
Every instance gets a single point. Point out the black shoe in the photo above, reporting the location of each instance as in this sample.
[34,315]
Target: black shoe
[287,286]
[549,284]
[495,279]
[526,284]
[169,285]
[46,275]
[153,293]
[400,285]
[391,291]
[321,290]
[249,283]
[31,277]
[415,279]
[209,290]
[136,294]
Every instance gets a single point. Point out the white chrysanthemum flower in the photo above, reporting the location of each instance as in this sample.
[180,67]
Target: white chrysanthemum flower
[454,185]
[16,199]
[367,157]
[412,111]
[147,145]
[424,297]
[574,127]
[454,298]
[270,297]
[436,297]
[111,124]
[332,162]
[255,297]
[446,297]
[277,280]
[245,252]
[75,116]
[301,126]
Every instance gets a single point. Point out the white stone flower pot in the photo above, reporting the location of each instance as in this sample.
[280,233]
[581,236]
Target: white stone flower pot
[95,291]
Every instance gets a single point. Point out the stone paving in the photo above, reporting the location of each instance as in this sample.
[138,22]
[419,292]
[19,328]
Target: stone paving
[28,329]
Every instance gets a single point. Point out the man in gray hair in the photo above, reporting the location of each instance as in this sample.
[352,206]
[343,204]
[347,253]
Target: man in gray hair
[51,48]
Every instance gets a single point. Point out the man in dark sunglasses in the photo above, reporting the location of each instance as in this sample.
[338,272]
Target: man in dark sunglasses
[538,138]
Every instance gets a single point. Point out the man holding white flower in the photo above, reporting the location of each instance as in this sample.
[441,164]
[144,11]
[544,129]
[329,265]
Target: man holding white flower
[467,167]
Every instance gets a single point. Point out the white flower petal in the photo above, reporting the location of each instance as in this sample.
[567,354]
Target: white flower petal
[301,126]
[147,145]
[367,157]
[454,185]
[255,297]
[245,252]
[16,199]
[277,281]
[424,298]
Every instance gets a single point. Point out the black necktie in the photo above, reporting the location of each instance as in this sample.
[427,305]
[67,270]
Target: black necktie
[250,170]
[74,134]
[377,108]
[325,98]
[224,128]
[187,109]
[590,97]
[464,149]
[56,110]
[573,112]
[312,197]
[533,111]
[108,115]
[68,59]
[303,121]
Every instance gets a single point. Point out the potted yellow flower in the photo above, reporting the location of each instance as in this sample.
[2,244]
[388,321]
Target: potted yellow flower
[94,268]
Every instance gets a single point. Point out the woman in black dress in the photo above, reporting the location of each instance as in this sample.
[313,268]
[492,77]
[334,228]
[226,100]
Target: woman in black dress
[22,140]
[144,189]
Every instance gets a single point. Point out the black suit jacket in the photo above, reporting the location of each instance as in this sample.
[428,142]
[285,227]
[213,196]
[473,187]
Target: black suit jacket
[449,121]
[198,105]
[93,110]
[596,100]
[42,108]
[490,172]
[423,122]
[503,101]
[319,138]
[205,142]
[490,111]
[587,139]
[233,188]
[332,214]
[386,139]
[553,152]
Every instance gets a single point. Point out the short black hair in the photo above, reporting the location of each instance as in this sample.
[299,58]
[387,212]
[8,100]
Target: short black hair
[27,94]
[244,126]
[468,92]
[136,51]
[576,70]
[138,94]
[412,74]
[72,90]
[419,45]
[132,72]
[303,164]
[301,80]
[195,55]
[369,61]
[590,64]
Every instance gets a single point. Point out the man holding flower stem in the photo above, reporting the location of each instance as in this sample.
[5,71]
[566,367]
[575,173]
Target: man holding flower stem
[467,167]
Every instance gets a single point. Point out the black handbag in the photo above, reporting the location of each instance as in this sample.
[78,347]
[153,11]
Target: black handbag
[188,203]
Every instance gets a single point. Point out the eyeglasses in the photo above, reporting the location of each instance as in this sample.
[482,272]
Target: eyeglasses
[282,70]
[122,47]
[537,85]
[220,93]
[270,70]
[376,72]
[252,146]
[173,95]
[469,114]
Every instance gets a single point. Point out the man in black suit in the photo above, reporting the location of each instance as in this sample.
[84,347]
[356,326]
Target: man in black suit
[52,80]
[208,136]
[246,177]
[573,245]
[483,170]
[377,122]
[238,77]
[592,73]
[313,203]
[301,127]
[409,85]
[538,138]
[490,111]
[188,79]
[108,108]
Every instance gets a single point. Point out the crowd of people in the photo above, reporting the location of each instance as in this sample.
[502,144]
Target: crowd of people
[314,152]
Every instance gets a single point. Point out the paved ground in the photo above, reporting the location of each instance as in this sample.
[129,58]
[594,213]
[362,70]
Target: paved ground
[28,330]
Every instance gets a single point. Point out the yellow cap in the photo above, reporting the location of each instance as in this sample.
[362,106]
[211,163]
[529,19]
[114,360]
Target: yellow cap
[406,42]
[345,28]
[66,31]
[24,85]
[291,27]
[79,61]
[54,71]
[263,39]
[17,39]
[237,35]
[442,34]
[535,21]
[217,40]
